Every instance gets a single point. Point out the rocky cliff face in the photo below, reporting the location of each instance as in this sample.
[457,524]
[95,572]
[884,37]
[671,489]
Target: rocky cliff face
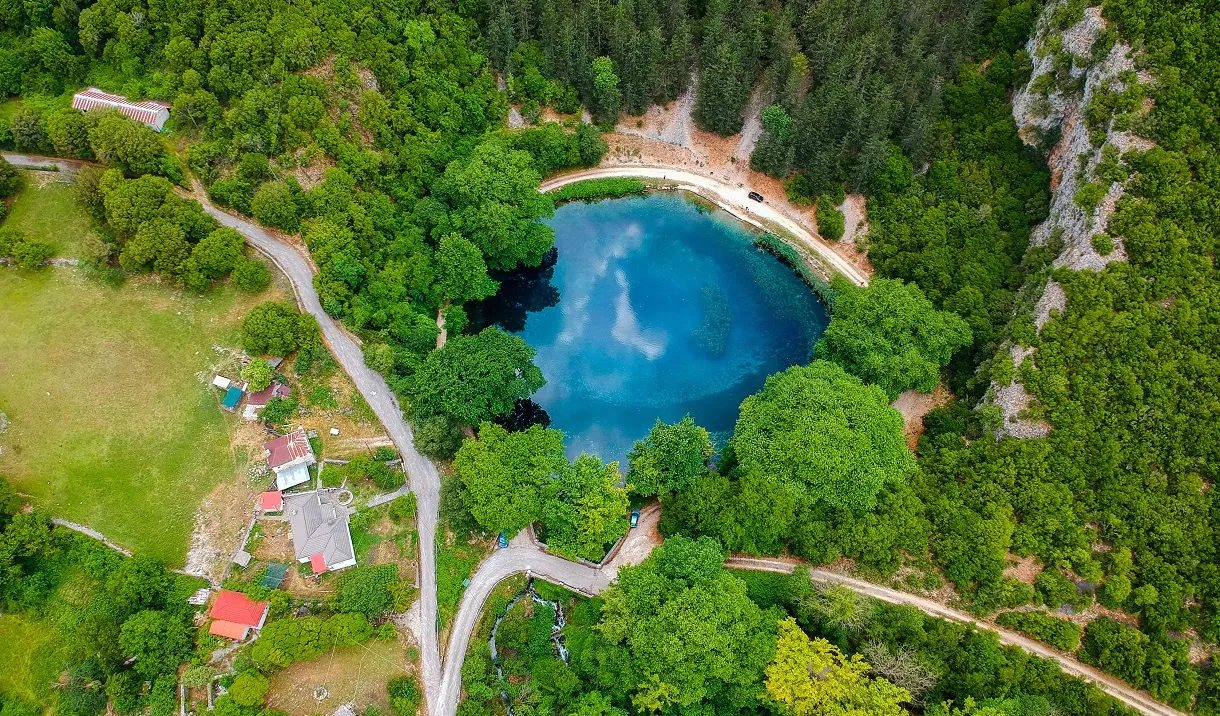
[1054,103]
[1079,69]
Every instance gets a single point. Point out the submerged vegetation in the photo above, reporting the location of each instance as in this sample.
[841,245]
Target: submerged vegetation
[377,134]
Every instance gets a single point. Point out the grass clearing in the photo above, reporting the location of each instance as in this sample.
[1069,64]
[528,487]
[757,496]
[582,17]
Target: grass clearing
[455,562]
[22,641]
[355,674]
[46,210]
[111,425]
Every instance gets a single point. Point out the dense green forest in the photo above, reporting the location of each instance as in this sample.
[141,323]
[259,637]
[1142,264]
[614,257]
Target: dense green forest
[375,131]
[102,609]
[842,79]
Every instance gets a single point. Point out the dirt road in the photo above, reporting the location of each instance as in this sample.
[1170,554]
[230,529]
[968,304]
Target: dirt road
[1137,700]
[443,689]
[524,556]
[733,199]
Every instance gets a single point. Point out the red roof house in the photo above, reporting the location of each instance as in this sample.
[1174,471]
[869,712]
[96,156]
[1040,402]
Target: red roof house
[234,614]
[289,457]
[271,501]
[154,114]
[257,401]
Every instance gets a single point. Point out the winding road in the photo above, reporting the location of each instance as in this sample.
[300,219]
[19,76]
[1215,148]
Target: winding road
[425,481]
[443,687]
[733,199]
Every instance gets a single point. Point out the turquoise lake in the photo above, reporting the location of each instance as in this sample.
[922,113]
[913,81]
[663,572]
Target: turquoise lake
[664,308]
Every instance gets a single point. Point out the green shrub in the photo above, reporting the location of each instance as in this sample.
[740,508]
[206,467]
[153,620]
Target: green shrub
[1059,633]
[249,689]
[800,189]
[1103,244]
[1114,591]
[28,254]
[197,676]
[163,699]
[404,695]
[375,470]
[1054,588]
[285,642]
[599,189]
[1090,195]
[403,508]
[251,276]
[275,205]
[438,436]
[278,410]
[233,193]
[367,590]
[830,220]
[258,374]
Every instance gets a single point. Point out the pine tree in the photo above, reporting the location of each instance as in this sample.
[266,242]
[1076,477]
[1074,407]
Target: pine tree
[773,153]
[606,96]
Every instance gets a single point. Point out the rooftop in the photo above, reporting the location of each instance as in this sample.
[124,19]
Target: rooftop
[320,527]
[232,397]
[271,501]
[288,449]
[236,607]
[261,398]
[149,112]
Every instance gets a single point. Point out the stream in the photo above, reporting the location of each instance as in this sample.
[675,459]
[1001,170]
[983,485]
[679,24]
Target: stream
[556,633]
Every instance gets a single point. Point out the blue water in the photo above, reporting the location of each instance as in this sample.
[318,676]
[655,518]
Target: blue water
[636,279]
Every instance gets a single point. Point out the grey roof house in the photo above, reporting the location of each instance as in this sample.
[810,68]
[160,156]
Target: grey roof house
[320,531]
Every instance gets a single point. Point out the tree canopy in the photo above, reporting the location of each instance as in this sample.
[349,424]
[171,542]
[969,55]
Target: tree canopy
[823,436]
[670,458]
[680,630]
[271,328]
[503,474]
[811,676]
[475,378]
[888,334]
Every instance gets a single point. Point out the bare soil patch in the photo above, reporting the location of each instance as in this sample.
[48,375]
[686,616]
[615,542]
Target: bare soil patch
[722,158]
[1023,569]
[914,406]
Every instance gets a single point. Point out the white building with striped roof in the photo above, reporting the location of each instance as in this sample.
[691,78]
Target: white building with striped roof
[153,114]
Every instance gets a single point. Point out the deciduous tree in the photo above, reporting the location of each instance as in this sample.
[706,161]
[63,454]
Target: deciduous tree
[888,334]
[270,328]
[811,676]
[494,202]
[475,378]
[670,458]
[824,435]
[503,474]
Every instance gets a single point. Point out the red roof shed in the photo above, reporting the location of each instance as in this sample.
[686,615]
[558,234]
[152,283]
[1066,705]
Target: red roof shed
[236,607]
[262,397]
[318,562]
[272,501]
[229,630]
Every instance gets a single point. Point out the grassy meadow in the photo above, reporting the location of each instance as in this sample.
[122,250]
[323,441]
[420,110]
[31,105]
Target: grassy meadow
[113,423]
[28,673]
[47,210]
